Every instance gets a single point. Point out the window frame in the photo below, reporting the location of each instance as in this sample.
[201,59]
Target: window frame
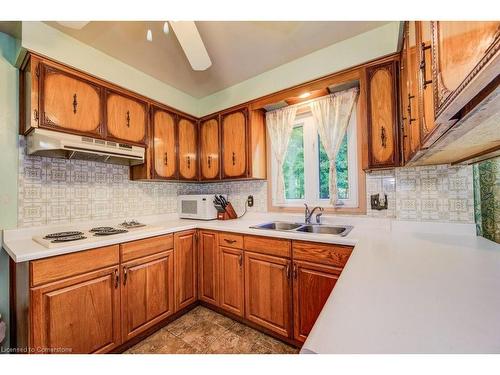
[311,175]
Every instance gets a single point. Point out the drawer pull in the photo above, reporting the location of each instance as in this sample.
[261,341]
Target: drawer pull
[229,241]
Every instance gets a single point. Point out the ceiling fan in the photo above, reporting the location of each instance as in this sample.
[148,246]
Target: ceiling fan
[186,32]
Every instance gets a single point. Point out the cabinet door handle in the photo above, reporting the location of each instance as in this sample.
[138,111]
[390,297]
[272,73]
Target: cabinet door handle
[425,81]
[229,241]
[234,158]
[35,115]
[128,119]
[295,271]
[288,271]
[117,278]
[240,260]
[209,161]
[410,119]
[124,275]
[383,137]
[75,103]
[188,161]
[166,158]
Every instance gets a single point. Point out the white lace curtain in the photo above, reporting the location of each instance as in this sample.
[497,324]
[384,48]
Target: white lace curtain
[332,114]
[279,126]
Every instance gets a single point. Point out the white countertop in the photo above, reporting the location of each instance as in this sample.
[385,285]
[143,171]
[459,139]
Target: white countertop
[407,288]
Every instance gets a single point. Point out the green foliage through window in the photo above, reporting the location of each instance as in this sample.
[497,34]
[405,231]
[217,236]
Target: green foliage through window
[293,167]
[342,172]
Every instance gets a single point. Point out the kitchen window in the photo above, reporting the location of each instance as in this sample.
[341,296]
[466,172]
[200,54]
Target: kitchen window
[306,164]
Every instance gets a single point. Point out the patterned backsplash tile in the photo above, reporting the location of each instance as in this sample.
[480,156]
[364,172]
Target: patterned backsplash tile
[55,191]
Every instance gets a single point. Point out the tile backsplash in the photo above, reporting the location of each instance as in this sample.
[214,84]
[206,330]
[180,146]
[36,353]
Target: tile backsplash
[53,191]
[429,193]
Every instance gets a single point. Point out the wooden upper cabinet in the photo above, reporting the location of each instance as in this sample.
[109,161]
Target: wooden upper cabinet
[164,144]
[126,118]
[465,58]
[69,103]
[185,280]
[383,121]
[413,68]
[312,285]
[268,292]
[232,286]
[209,149]
[81,313]
[403,103]
[188,149]
[147,294]
[234,144]
[208,267]
[425,94]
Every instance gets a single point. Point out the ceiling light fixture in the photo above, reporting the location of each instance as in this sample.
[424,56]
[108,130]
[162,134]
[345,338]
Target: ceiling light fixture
[149,36]
[166,29]
[305,95]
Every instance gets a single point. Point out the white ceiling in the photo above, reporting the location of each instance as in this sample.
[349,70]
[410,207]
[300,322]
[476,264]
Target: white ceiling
[238,50]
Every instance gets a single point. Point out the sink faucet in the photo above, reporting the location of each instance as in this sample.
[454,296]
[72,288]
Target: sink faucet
[308,214]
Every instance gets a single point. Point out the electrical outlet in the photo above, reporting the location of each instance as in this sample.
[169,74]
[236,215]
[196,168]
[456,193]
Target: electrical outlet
[250,201]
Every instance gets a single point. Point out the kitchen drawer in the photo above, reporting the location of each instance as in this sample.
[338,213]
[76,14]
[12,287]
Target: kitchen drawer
[335,255]
[147,246]
[266,245]
[59,267]
[231,240]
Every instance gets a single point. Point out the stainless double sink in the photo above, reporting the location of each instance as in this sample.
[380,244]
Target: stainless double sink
[337,230]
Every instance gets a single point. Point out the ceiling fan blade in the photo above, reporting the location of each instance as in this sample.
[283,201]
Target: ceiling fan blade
[76,25]
[191,43]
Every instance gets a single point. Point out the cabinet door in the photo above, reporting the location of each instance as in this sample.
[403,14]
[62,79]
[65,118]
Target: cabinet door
[164,144]
[147,293]
[208,261]
[80,313]
[188,140]
[70,103]
[185,269]
[234,144]
[403,92]
[209,149]
[382,115]
[312,285]
[425,95]
[232,297]
[413,118]
[465,60]
[126,118]
[267,292]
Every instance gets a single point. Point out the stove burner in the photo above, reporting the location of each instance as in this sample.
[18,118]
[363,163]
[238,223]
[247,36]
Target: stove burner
[110,231]
[102,229]
[69,238]
[63,234]
[132,224]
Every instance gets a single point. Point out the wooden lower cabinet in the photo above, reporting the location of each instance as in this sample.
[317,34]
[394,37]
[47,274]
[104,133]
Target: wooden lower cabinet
[208,267]
[232,286]
[147,293]
[79,314]
[268,292]
[312,285]
[185,280]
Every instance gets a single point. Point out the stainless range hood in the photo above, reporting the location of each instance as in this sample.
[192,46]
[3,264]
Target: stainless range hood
[68,146]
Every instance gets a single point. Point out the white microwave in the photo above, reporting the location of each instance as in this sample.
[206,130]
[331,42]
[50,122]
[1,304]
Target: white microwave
[200,207]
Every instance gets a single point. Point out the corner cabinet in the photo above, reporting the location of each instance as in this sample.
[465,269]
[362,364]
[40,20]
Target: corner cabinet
[185,269]
[382,108]
[208,267]
[243,137]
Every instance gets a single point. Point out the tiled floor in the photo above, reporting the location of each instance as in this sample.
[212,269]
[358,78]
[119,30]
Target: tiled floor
[204,331]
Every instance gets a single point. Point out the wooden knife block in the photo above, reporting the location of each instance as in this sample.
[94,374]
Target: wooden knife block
[229,214]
